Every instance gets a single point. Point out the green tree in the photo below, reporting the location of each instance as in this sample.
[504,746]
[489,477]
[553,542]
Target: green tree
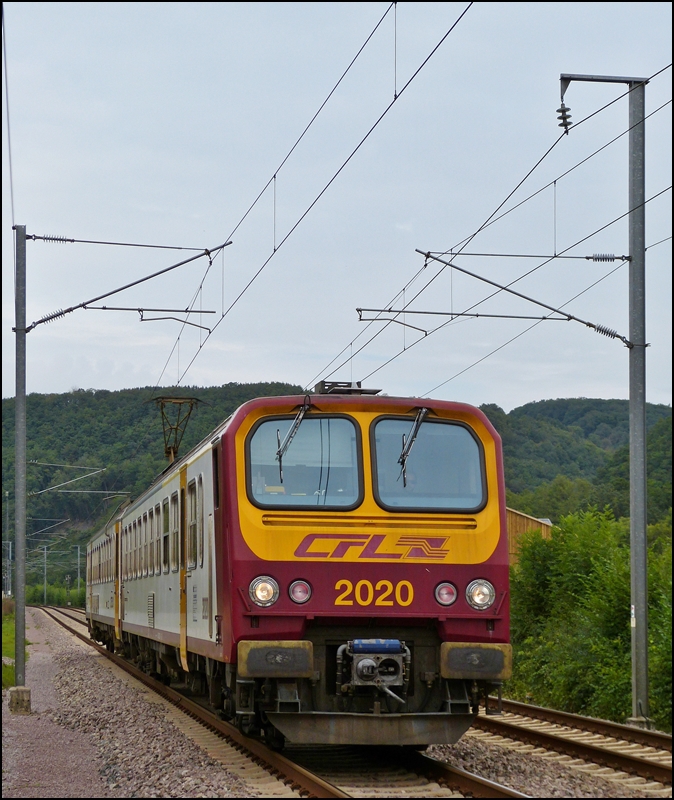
[570,618]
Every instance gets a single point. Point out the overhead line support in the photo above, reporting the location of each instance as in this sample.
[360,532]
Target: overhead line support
[637,388]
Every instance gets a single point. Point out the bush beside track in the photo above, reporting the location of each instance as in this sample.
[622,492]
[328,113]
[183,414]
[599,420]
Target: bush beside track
[571,618]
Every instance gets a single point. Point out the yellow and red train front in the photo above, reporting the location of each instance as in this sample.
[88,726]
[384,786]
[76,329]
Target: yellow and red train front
[348,520]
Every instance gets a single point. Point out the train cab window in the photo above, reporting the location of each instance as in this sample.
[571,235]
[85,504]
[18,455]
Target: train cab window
[320,467]
[443,471]
[175,523]
[192,524]
[157,539]
[165,535]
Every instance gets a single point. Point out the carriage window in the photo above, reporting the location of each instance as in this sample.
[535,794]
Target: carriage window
[145,552]
[150,522]
[165,531]
[157,532]
[444,469]
[200,518]
[320,467]
[192,525]
[134,567]
[175,522]
[139,565]
[125,546]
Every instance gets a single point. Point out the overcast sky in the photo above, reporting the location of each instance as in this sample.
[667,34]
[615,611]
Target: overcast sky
[161,124]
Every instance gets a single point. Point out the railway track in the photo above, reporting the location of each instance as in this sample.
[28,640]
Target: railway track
[307,771]
[627,733]
[647,755]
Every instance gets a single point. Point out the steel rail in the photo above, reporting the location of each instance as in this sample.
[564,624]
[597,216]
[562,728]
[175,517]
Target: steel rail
[454,777]
[299,777]
[661,741]
[283,768]
[636,765]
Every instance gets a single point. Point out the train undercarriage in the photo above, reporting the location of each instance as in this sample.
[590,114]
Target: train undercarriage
[338,685]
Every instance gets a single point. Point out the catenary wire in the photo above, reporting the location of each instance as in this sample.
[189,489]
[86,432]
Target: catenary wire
[236,227]
[526,330]
[594,233]
[325,188]
[64,239]
[9,138]
[467,241]
[538,191]
[491,221]
[273,180]
[568,171]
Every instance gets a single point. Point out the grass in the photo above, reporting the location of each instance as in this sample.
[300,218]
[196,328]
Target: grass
[8,642]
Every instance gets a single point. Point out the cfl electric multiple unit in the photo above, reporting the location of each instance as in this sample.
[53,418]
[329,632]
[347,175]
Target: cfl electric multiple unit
[327,569]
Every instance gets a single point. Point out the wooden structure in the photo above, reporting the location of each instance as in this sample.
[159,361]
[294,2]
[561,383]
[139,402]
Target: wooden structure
[518,523]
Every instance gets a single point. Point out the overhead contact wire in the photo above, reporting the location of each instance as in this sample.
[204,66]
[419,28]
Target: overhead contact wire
[273,179]
[253,204]
[580,241]
[462,244]
[330,182]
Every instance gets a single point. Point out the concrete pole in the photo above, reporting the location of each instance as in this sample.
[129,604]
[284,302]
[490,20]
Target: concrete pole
[20,457]
[45,574]
[9,541]
[637,357]
[637,380]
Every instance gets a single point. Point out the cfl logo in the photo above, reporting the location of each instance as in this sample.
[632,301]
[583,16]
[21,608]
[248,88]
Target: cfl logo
[367,546]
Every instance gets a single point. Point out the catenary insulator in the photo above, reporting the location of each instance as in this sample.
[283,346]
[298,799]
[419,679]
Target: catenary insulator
[564,117]
[603,257]
[606,331]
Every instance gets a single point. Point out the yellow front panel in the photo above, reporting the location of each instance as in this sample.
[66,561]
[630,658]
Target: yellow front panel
[369,533]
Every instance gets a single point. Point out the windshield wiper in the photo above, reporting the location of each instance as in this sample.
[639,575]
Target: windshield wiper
[282,447]
[409,441]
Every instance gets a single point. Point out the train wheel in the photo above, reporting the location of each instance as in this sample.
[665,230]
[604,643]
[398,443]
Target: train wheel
[247,724]
[273,737]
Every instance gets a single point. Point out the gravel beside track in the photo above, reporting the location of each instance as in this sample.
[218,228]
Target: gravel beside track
[534,773]
[93,735]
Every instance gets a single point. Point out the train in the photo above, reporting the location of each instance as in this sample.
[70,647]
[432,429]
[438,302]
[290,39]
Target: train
[325,568]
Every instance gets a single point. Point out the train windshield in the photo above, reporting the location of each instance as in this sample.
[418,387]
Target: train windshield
[443,470]
[319,468]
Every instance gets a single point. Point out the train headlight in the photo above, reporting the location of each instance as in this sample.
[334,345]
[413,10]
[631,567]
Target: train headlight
[445,593]
[480,594]
[299,591]
[263,591]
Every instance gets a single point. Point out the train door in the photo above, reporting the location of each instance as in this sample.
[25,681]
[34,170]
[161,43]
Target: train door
[182,566]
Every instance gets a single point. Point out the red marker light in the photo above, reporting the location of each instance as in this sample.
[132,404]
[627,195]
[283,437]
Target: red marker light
[299,591]
[446,594]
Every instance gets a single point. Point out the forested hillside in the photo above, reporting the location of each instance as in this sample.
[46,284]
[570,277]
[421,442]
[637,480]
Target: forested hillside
[563,456]
[120,431]
[560,455]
